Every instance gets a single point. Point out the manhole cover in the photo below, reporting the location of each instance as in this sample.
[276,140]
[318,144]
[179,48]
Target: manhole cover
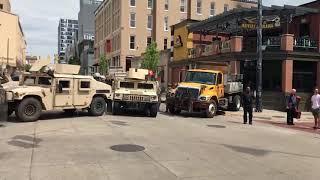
[216,126]
[127,148]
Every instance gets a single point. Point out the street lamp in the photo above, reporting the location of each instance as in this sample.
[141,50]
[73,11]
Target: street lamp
[259,59]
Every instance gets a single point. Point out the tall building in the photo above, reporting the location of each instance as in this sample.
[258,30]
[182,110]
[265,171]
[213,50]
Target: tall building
[86,35]
[5,5]
[124,28]
[66,29]
[12,39]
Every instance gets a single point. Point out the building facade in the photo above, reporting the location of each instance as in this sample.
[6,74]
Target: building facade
[5,5]
[66,29]
[86,35]
[12,39]
[124,28]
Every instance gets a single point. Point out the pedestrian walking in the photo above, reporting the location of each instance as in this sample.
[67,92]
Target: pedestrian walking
[315,108]
[291,107]
[247,101]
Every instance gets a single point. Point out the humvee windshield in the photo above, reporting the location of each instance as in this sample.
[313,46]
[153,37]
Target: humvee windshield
[37,80]
[201,77]
[145,86]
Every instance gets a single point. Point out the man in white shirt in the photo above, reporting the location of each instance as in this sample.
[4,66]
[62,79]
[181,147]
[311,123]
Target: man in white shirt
[315,108]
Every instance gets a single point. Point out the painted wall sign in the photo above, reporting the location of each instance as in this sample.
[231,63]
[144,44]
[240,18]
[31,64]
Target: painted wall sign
[269,22]
[178,42]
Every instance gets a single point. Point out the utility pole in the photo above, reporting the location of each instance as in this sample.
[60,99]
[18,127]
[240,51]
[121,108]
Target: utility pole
[259,59]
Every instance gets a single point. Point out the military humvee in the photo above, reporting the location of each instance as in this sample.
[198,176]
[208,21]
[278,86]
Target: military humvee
[135,92]
[56,88]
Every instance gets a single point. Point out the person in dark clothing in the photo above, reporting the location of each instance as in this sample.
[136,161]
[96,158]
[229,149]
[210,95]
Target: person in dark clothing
[291,107]
[247,101]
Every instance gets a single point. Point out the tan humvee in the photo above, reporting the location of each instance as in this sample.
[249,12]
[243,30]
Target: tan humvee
[135,92]
[57,89]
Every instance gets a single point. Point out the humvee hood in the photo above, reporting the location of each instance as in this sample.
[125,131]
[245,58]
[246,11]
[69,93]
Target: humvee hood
[27,89]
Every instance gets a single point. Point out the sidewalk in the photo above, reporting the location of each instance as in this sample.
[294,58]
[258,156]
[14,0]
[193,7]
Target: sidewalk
[279,119]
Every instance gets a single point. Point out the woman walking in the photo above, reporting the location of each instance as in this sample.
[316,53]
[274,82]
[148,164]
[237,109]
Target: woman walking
[315,108]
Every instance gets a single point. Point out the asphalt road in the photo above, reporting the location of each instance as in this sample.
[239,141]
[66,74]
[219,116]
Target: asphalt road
[133,147]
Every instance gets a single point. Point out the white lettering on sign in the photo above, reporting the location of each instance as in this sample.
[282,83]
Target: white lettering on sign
[88,37]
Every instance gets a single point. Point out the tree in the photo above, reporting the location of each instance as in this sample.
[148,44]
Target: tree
[103,65]
[74,61]
[151,57]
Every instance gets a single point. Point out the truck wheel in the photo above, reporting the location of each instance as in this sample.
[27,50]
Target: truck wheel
[236,103]
[29,110]
[153,110]
[211,110]
[173,110]
[98,106]
[115,108]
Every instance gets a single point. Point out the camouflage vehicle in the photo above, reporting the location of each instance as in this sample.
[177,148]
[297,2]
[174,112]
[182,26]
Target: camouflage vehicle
[56,88]
[135,92]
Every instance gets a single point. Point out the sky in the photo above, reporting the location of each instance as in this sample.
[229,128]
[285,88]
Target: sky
[40,19]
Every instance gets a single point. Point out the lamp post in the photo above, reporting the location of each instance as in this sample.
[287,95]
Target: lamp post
[259,59]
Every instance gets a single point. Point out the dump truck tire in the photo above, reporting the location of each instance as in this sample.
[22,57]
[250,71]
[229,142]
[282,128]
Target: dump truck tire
[29,110]
[236,103]
[97,107]
[211,110]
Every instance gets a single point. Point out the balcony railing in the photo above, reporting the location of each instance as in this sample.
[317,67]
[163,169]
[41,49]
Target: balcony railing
[274,41]
[305,43]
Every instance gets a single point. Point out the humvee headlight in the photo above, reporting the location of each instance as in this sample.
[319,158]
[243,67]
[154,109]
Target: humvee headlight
[154,98]
[118,96]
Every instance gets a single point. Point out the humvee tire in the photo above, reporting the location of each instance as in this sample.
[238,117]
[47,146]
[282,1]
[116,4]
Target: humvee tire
[97,107]
[115,108]
[153,109]
[211,111]
[29,109]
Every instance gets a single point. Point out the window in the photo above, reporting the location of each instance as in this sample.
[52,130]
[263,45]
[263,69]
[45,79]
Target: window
[133,20]
[226,7]
[165,43]
[64,84]
[145,86]
[219,81]
[84,84]
[212,8]
[1,6]
[127,85]
[166,5]
[150,4]
[149,26]
[29,80]
[132,3]
[44,81]
[199,5]
[132,42]
[149,40]
[183,5]
[166,26]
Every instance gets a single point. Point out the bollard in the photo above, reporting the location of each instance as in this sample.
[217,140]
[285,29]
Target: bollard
[3,105]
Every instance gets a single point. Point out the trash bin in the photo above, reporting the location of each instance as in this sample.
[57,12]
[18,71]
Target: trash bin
[3,105]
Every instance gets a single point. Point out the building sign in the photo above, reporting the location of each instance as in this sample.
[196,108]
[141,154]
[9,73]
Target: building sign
[88,37]
[225,46]
[178,42]
[269,22]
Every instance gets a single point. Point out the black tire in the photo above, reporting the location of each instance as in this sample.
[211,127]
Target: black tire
[236,103]
[29,110]
[69,111]
[97,107]
[173,110]
[115,108]
[153,110]
[211,111]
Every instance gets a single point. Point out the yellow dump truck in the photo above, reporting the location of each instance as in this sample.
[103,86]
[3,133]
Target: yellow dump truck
[206,91]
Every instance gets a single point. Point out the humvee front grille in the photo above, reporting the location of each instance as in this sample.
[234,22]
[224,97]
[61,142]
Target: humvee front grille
[136,98]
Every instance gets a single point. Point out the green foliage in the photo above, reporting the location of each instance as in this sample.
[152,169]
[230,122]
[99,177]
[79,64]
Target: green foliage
[151,57]
[74,61]
[103,65]
[27,67]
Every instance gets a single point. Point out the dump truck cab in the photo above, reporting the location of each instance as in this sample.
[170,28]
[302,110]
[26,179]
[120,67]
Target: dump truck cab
[136,92]
[205,91]
[57,88]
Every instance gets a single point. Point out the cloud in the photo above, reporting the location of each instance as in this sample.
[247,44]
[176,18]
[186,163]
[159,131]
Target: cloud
[40,19]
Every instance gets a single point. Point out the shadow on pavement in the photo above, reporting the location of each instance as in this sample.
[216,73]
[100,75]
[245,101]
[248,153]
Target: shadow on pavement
[217,126]
[120,123]
[127,148]
[24,141]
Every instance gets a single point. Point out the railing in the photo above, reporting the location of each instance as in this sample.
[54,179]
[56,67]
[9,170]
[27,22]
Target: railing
[305,43]
[272,41]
